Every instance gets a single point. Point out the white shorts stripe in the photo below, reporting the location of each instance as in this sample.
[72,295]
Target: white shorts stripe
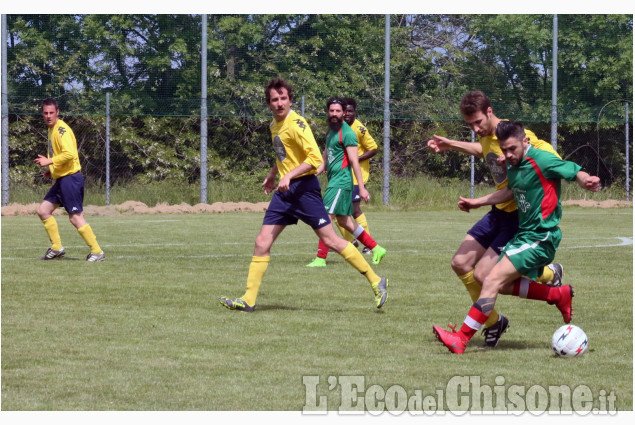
[472,323]
[335,201]
[526,246]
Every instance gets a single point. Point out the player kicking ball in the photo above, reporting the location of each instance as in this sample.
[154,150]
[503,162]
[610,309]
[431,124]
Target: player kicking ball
[340,156]
[534,178]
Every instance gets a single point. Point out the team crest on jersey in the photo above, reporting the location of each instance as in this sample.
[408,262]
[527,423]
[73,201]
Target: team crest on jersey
[301,124]
[498,171]
[278,147]
[362,129]
[61,130]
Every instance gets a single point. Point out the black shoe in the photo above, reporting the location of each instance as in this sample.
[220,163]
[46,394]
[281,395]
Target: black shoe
[494,332]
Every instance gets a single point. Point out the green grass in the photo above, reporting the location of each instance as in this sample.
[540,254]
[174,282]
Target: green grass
[144,330]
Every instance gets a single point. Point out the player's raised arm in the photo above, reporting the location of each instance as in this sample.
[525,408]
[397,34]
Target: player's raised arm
[442,144]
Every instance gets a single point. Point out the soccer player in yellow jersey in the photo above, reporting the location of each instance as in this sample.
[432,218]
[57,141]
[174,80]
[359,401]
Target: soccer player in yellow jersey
[366,149]
[62,162]
[482,246]
[297,196]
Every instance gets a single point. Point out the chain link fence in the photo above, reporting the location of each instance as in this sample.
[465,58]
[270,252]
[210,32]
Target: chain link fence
[155,126]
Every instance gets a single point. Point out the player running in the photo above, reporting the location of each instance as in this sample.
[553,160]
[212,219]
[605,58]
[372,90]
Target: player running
[340,156]
[367,148]
[297,196]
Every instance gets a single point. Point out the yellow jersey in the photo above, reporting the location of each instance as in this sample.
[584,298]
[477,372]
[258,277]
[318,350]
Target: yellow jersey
[294,144]
[491,152]
[365,143]
[62,150]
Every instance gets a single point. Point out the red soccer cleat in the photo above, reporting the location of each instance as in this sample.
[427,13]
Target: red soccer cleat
[451,340]
[564,304]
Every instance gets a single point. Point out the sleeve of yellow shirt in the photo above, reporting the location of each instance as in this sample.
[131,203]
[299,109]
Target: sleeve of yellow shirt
[311,149]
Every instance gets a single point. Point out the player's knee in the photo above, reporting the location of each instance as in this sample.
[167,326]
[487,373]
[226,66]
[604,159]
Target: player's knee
[43,212]
[460,265]
[262,243]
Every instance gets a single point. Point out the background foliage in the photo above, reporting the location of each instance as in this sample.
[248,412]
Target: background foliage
[151,66]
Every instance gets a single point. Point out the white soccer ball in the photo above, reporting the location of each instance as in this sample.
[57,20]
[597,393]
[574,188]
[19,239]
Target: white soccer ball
[569,341]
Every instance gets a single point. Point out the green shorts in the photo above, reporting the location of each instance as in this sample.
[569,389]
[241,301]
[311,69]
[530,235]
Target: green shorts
[338,201]
[529,252]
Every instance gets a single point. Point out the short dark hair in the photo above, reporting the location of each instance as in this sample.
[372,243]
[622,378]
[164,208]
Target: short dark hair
[473,102]
[50,101]
[278,84]
[335,99]
[507,129]
[350,101]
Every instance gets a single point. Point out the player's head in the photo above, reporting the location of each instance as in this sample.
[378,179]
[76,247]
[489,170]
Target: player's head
[279,96]
[477,113]
[512,140]
[350,110]
[50,111]
[335,112]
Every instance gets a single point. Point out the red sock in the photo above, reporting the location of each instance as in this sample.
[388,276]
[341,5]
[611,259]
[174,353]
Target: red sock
[473,322]
[525,288]
[367,240]
[323,250]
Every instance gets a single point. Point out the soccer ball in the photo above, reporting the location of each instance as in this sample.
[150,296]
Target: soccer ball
[569,341]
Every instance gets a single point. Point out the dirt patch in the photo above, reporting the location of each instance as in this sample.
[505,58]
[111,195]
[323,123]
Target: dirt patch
[134,207]
[609,203]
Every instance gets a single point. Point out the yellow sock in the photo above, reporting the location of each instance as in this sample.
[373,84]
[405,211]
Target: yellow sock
[361,220]
[546,276]
[50,225]
[89,237]
[345,233]
[257,270]
[357,260]
[474,288]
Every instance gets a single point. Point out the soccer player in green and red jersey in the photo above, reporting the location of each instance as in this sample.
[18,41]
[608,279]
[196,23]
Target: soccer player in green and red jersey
[534,177]
[340,156]
[482,245]
[366,149]
[296,197]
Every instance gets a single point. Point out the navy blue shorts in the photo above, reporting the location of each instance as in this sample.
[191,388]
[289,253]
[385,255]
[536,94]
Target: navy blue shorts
[495,229]
[356,197]
[302,201]
[68,191]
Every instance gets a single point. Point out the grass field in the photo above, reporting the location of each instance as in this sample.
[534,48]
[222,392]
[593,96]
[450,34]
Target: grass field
[144,330]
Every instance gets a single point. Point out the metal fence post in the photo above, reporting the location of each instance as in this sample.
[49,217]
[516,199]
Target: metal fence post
[204,109]
[5,116]
[107,148]
[628,173]
[554,86]
[386,185]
